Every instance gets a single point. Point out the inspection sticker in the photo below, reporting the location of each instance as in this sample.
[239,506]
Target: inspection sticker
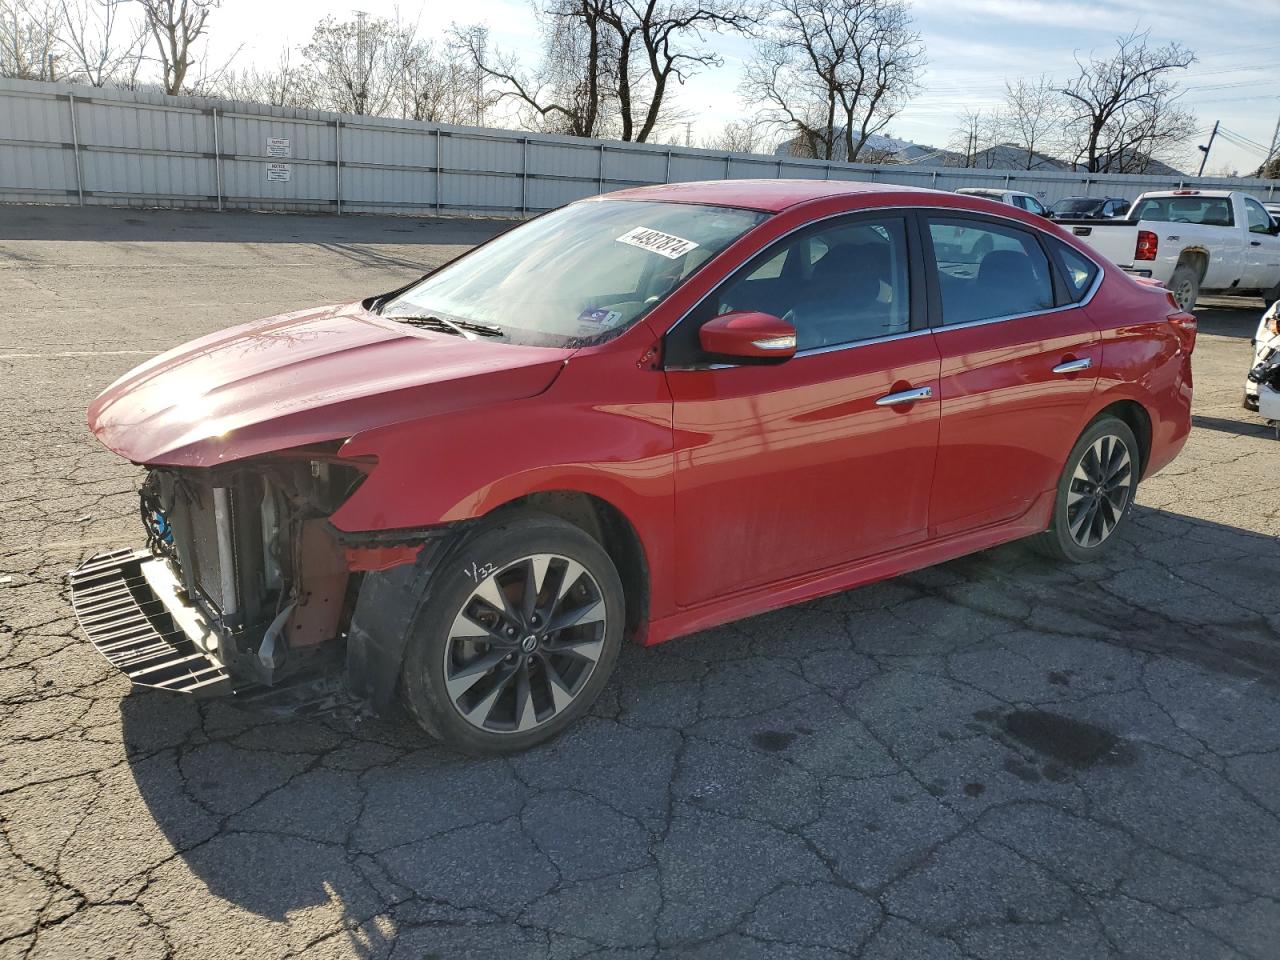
[655,241]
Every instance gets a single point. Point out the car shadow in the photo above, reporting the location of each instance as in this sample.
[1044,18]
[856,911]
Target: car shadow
[1235,318]
[1245,428]
[786,731]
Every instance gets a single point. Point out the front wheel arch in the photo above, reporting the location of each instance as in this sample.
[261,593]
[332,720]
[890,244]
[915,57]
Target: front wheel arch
[389,601]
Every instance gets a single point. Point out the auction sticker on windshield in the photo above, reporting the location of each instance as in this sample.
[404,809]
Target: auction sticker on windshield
[655,241]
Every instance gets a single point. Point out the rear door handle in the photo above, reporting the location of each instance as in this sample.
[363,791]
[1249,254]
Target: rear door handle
[1255,243]
[1074,366]
[905,396]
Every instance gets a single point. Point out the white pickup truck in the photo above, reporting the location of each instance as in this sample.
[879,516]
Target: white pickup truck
[1193,241]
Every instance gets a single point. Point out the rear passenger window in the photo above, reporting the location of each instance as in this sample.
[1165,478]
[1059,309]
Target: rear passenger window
[1077,270]
[987,271]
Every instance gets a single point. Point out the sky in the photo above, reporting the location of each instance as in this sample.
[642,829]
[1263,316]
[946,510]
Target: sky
[972,47]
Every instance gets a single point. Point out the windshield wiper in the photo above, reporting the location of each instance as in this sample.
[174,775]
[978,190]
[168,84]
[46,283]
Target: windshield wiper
[463,328]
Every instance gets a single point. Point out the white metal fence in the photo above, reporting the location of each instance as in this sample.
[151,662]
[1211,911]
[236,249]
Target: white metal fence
[66,144]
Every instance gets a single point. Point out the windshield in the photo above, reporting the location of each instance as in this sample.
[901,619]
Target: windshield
[578,275]
[1077,205]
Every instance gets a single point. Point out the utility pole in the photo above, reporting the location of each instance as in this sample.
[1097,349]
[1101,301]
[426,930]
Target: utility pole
[1273,152]
[1205,149]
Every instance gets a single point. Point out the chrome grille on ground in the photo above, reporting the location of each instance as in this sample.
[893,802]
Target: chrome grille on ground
[127,622]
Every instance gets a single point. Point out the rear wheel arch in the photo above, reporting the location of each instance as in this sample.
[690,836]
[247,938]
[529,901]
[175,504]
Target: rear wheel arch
[1136,417]
[1197,259]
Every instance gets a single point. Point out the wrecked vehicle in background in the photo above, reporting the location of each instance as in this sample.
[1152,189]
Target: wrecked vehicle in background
[635,417]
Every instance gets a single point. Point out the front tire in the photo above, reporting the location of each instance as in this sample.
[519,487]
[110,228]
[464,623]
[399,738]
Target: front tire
[521,628]
[1095,492]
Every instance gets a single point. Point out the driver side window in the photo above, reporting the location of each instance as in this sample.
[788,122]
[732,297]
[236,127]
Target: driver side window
[836,285]
[1259,219]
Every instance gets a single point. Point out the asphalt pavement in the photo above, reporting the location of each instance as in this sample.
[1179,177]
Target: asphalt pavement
[995,758]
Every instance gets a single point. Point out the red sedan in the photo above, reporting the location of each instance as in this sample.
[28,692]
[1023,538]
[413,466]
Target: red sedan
[632,418]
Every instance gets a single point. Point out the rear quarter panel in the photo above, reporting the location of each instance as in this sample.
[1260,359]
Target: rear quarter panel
[1143,360]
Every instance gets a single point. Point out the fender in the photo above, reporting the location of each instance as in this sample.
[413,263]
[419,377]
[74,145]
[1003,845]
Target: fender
[448,470]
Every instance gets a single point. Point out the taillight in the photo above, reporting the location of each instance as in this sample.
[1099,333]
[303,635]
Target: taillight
[1148,244]
[1184,324]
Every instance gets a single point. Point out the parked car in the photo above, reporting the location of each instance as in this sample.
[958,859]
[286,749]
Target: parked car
[1089,208]
[635,417]
[1265,344]
[1274,210]
[1193,241]
[1015,198]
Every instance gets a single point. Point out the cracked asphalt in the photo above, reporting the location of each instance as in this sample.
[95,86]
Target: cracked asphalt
[996,758]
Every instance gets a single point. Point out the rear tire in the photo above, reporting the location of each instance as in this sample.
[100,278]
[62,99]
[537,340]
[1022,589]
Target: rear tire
[1185,286]
[520,629]
[1095,493]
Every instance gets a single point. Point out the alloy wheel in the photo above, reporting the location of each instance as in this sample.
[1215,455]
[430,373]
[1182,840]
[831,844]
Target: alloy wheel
[1099,491]
[525,643]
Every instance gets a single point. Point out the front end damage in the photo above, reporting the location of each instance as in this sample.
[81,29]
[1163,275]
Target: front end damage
[244,587]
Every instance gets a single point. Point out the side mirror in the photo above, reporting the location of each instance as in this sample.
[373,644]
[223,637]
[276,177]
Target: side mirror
[747,338]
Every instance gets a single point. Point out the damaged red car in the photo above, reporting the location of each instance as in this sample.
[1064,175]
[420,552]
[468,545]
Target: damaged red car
[632,418]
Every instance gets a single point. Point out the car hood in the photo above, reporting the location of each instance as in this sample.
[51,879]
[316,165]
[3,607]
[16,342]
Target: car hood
[306,377]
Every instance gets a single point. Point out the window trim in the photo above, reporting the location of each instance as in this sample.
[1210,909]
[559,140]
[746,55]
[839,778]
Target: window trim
[916,216]
[1060,267]
[931,269]
[917,310]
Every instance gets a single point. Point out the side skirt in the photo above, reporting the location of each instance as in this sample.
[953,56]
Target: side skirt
[785,593]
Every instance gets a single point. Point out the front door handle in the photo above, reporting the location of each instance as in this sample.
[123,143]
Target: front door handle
[1074,366]
[1255,243]
[905,396]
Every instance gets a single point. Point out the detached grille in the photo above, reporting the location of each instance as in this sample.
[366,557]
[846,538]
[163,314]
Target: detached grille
[116,602]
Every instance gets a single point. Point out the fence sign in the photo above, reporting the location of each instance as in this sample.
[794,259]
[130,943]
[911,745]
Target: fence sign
[278,172]
[279,147]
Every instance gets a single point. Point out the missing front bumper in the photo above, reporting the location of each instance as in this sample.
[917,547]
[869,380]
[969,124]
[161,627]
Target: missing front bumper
[126,602]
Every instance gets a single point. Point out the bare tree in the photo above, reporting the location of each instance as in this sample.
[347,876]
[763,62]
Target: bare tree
[440,83]
[1150,132]
[1126,101]
[739,136]
[975,135]
[572,87]
[833,72]
[103,44]
[609,66]
[176,26]
[29,46]
[285,85]
[1032,117]
[357,63]
[661,41]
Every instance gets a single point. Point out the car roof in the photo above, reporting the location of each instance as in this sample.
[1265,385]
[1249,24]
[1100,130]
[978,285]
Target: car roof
[771,196]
